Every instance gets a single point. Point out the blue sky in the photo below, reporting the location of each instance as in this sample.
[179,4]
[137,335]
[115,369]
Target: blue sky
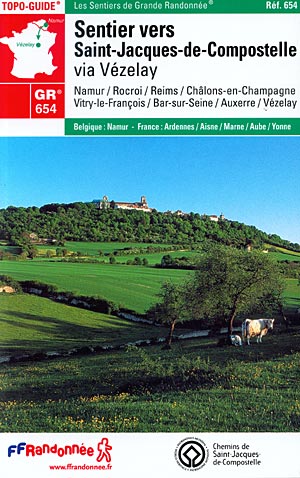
[251,180]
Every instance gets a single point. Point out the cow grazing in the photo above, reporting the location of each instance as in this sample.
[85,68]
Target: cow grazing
[236,340]
[256,328]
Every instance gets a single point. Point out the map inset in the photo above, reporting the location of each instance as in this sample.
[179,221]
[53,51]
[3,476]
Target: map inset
[31,49]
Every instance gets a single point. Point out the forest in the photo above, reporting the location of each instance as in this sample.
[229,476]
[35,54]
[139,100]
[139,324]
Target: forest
[86,222]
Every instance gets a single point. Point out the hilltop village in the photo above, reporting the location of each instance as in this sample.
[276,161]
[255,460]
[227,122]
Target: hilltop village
[142,205]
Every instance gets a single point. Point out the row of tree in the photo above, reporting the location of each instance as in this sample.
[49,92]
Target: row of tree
[228,283]
[86,222]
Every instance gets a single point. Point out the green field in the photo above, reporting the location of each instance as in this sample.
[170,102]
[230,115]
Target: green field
[291,295]
[286,251]
[285,256]
[93,248]
[193,387]
[133,287]
[30,324]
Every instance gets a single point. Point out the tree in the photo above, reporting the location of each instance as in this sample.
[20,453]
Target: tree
[229,282]
[137,261]
[170,309]
[86,222]
[166,261]
[32,251]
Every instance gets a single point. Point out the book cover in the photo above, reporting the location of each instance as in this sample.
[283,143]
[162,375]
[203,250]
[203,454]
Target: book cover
[149,238]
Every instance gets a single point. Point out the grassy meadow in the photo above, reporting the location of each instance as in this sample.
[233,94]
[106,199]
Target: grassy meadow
[93,248]
[194,387]
[133,287]
[291,295]
[31,324]
[282,254]
[90,250]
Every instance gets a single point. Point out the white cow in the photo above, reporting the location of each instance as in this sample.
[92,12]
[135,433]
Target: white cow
[236,340]
[256,328]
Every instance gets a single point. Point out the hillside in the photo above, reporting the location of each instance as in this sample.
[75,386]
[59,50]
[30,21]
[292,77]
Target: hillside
[85,222]
[31,324]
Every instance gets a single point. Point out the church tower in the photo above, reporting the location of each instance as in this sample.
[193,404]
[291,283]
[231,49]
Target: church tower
[104,203]
[144,201]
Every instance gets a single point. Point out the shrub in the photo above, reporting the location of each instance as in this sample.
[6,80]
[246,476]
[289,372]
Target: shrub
[9,281]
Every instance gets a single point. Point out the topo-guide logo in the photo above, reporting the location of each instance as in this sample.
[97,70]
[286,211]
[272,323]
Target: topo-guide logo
[32,74]
[191,454]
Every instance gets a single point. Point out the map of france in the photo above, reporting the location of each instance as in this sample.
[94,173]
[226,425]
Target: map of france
[31,49]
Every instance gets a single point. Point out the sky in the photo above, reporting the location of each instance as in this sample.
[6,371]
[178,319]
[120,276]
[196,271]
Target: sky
[254,180]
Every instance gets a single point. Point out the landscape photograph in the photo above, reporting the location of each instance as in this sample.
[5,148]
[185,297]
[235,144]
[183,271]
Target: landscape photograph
[150,284]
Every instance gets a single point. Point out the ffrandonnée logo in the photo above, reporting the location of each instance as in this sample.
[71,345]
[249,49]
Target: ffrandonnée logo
[191,454]
[102,453]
